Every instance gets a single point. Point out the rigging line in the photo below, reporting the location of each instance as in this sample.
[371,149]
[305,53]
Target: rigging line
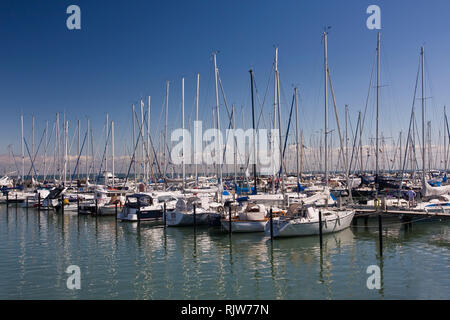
[28,151]
[78,159]
[37,151]
[104,154]
[409,138]
[368,92]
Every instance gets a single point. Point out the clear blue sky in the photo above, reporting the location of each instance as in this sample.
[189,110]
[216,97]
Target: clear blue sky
[128,49]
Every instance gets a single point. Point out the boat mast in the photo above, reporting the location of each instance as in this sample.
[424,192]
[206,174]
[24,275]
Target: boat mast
[195,129]
[112,150]
[165,133]
[182,126]
[422,53]
[87,151]
[106,143]
[274,116]
[132,123]
[45,151]
[326,107]
[78,147]
[445,139]
[279,127]
[149,160]
[254,131]
[296,138]
[32,136]
[219,145]
[23,150]
[235,146]
[378,114]
[400,152]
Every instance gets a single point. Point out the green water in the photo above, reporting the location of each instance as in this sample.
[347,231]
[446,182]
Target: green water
[127,261]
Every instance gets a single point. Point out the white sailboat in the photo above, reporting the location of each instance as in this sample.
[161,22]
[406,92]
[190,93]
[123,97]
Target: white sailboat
[304,219]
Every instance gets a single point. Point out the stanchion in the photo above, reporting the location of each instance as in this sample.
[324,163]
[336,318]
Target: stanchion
[229,220]
[380,234]
[320,228]
[271,224]
[165,214]
[195,217]
[62,204]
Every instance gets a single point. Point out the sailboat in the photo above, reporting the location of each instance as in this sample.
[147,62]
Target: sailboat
[304,219]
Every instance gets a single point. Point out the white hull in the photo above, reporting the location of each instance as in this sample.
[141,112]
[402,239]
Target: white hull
[300,227]
[178,219]
[244,225]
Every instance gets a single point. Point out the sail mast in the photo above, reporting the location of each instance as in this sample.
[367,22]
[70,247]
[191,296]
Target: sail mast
[326,107]
[254,131]
[195,129]
[296,138]
[23,150]
[378,113]
[219,146]
[182,126]
[422,53]
[112,151]
[165,133]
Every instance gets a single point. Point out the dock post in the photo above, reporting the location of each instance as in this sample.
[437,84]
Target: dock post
[96,207]
[115,210]
[165,214]
[229,220]
[27,203]
[195,217]
[271,224]
[320,228]
[7,198]
[16,200]
[380,234]
[78,205]
[62,204]
[39,202]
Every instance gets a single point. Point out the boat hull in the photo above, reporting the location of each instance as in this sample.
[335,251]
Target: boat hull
[244,225]
[179,219]
[293,229]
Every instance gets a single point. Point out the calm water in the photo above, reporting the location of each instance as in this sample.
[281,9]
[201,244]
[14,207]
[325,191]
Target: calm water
[124,261]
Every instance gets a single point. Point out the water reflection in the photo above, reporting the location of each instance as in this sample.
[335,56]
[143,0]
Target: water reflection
[147,261]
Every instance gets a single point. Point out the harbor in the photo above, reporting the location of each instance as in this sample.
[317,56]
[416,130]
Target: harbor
[220,176]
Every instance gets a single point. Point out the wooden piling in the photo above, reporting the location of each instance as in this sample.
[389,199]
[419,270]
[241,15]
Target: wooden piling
[39,202]
[62,204]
